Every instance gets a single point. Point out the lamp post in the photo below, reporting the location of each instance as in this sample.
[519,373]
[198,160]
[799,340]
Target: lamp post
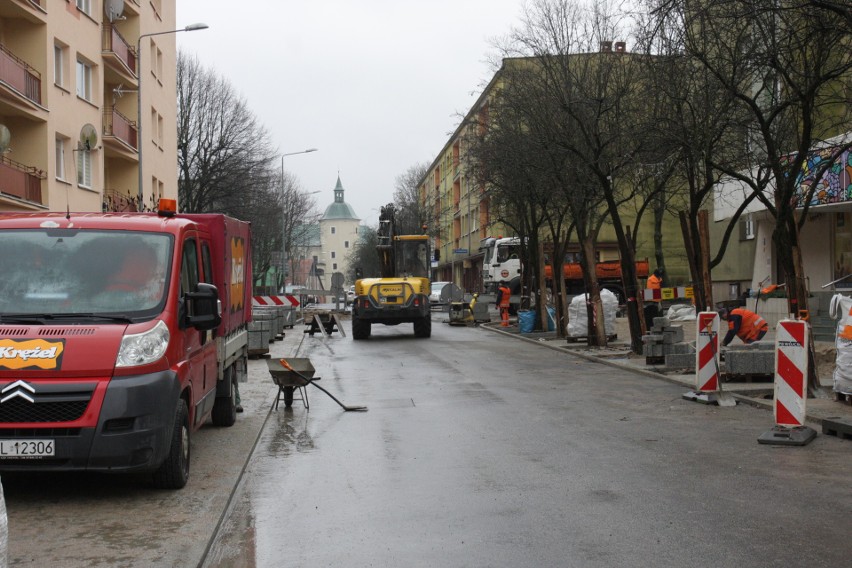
[283,205]
[189,28]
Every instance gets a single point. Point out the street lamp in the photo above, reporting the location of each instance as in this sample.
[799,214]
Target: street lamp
[283,212]
[139,144]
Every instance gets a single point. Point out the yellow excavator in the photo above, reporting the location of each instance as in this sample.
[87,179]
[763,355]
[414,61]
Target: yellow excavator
[401,295]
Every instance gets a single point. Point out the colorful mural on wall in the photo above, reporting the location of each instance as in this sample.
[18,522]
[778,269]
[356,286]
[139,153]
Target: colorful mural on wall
[834,186]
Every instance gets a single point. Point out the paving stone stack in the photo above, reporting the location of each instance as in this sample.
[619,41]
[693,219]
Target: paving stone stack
[664,343]
[750,361]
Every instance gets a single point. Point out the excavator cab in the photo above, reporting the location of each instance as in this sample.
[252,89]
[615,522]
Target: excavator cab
[412,256]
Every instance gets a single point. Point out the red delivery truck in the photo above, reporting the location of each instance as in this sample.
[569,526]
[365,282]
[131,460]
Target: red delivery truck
[120,335]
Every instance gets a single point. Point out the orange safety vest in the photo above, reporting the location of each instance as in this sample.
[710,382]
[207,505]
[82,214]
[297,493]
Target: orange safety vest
[751,326]
[504,296]
[655,283]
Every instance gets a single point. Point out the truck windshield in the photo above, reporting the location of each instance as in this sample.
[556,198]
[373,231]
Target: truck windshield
[507,252]
[84,273]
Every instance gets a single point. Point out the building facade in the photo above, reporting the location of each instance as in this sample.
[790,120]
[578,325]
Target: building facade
[69,82]
[338,235]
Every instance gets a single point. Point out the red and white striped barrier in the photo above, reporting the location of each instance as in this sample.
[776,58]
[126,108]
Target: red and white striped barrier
[284,300]
[652,294]
[791,375]
[708,382]
[707,352]
[791,372]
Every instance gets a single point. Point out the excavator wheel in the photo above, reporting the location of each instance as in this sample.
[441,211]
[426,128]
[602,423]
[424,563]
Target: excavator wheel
[423,327]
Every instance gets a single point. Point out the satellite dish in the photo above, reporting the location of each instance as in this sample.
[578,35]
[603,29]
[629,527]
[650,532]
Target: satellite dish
[113,9]
[5,138]
[88,137]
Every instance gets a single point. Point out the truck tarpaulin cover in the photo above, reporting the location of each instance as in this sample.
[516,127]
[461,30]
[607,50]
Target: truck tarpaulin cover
[231,272]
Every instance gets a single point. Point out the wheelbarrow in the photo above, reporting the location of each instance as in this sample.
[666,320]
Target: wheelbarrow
[288,380]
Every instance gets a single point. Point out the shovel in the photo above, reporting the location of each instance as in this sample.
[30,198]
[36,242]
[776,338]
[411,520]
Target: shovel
[722,398]
[310,381]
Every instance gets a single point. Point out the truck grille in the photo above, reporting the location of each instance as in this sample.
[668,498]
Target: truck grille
[19,410]
[53,402]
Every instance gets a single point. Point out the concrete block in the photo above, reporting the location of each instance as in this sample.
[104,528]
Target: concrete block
[652,338]
[682,349]
[750,362]
[680,361]
[660,323]
[653,350]
[673,334]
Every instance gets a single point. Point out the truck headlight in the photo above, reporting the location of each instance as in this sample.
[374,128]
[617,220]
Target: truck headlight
[143,348]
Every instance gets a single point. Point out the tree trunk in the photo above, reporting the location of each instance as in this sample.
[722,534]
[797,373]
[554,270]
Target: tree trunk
[704,247]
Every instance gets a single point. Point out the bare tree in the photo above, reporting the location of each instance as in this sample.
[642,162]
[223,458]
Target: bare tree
[223,151]
[785,63]
[363,259]
[411,216]
[504,158]
[598,122]
[299,215]
[697,126]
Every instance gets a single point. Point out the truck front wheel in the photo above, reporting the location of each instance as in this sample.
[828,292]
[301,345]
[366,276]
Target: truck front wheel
[174,472]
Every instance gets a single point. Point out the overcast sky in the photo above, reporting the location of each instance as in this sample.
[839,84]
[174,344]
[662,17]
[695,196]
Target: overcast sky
[376,85]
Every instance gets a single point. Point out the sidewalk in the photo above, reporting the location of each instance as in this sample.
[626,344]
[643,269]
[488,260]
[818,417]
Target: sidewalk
[619,355]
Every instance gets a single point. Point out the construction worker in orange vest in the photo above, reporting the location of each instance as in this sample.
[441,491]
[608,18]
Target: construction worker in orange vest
[653,307]
[503,296]
[743,323]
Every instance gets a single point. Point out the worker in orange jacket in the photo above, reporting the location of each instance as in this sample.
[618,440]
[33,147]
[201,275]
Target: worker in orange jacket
[743,323]
[653,308]
[503,296]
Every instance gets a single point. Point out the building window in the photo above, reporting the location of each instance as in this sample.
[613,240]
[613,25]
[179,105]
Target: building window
[84,80]
[60,158]
[333,230]
[345,244]
[333,254]
[334,266]
[747,228]
[85,6]
[159,64]
[160,130]
[59,65]
[84,168]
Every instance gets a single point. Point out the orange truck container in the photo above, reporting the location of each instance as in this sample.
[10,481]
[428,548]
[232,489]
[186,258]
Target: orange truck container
[607,270]
[120,335]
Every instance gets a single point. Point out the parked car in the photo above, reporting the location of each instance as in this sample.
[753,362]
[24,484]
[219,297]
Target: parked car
[435,295]
[350,295]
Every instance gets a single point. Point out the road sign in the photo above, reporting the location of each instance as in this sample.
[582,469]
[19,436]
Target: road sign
[460,251]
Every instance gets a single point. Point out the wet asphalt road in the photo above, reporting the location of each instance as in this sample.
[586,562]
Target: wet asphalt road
[477,450]
[482,450]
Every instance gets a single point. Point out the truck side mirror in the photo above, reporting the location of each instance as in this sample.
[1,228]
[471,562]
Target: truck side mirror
[204,310]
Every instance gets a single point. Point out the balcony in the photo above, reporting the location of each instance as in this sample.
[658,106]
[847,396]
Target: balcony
[119,57]
[832,185]
[20,181]
[33,11]
[119,131]
[19,79]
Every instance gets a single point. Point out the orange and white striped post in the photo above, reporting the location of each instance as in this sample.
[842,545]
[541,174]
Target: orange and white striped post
[708,382]
[791,375]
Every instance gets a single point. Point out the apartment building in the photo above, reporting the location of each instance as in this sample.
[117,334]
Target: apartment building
[70,73]
[462,214]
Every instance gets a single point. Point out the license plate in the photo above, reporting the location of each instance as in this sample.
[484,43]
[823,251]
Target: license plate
[27,448]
